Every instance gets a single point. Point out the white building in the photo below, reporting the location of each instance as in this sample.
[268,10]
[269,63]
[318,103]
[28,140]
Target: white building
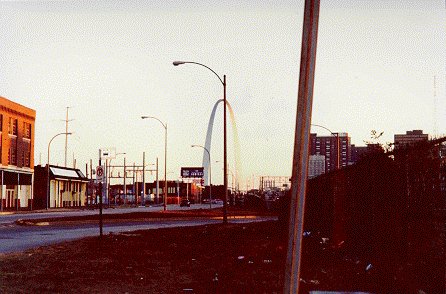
[316,165]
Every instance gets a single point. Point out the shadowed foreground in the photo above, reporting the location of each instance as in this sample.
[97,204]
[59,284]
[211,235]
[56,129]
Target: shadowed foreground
[236,258]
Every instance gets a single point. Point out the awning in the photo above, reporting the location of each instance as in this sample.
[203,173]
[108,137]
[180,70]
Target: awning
[62,173]
[13,178]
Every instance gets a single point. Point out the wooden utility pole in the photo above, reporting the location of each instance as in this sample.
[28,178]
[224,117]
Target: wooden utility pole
[301,145]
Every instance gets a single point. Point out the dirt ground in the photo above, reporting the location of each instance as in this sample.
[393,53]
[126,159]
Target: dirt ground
[232,258]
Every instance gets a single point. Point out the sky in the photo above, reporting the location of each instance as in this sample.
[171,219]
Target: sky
[110,62]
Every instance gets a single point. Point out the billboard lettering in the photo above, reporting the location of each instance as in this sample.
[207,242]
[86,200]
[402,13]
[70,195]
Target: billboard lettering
[192,172]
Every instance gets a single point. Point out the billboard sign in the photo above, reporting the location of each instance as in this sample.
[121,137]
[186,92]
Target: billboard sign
[192,172]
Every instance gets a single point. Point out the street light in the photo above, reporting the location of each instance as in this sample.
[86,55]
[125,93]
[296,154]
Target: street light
[210,174]
[225,176]
[337,143]
[165,159]
[48,168]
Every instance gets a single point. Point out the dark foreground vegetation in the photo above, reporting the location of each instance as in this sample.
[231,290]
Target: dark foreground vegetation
[234,258]
[387,214]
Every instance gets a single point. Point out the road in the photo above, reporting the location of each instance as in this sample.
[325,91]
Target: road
[7,218]
[15,238]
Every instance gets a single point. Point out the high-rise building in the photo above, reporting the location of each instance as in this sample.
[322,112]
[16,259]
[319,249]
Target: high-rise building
[328,147]
[409,138]
[16,154]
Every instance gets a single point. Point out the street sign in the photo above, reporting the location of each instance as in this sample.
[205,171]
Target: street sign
[108,153]
[100,173]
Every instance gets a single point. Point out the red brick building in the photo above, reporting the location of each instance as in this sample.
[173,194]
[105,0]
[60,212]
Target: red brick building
[328,147]
[16,155]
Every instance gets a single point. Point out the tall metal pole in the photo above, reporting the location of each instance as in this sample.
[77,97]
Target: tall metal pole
[157,183]
[143,178]
[106,181]
[210,182]
[225,156]
[91,180]
[165,167]
[134,185]
[301,146]
[66,137]
[100,198]
[225,176]
[125,185]
[165,159]
[48,168]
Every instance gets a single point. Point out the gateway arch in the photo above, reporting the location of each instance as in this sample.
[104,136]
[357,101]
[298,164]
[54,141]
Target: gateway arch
[235,139]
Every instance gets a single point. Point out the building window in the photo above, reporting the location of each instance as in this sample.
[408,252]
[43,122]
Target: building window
[12,126]
[12,155]
[26,130]
[25,158]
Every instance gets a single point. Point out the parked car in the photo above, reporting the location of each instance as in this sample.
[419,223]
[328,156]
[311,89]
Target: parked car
[217,201]
[185,202]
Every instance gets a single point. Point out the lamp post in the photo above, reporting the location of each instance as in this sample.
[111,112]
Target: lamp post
[338,166]
[48,168]
[225,176]
[210,174]
[165,159]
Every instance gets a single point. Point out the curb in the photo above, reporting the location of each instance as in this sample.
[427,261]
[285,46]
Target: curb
[24,222]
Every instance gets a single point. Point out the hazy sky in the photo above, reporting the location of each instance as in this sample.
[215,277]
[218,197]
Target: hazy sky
[111,62]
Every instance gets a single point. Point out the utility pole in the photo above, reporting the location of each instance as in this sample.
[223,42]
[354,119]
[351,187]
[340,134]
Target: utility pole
[143,178]
[301,146]
[125,185]
[66,135]
[157,183]
[100,198]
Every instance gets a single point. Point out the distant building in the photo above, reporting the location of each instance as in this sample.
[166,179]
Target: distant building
[328,147]
[68,187]
[274,183]
[16,155]
[175,191]
[358,152]
[316,165]
[409,138]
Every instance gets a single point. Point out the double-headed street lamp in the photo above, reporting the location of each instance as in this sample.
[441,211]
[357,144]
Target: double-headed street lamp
[165,159]
[225,176]
[48,168]
[338,165]
[210,174]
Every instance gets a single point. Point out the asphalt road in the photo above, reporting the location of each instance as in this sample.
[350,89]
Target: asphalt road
[15,238]
[10,217]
